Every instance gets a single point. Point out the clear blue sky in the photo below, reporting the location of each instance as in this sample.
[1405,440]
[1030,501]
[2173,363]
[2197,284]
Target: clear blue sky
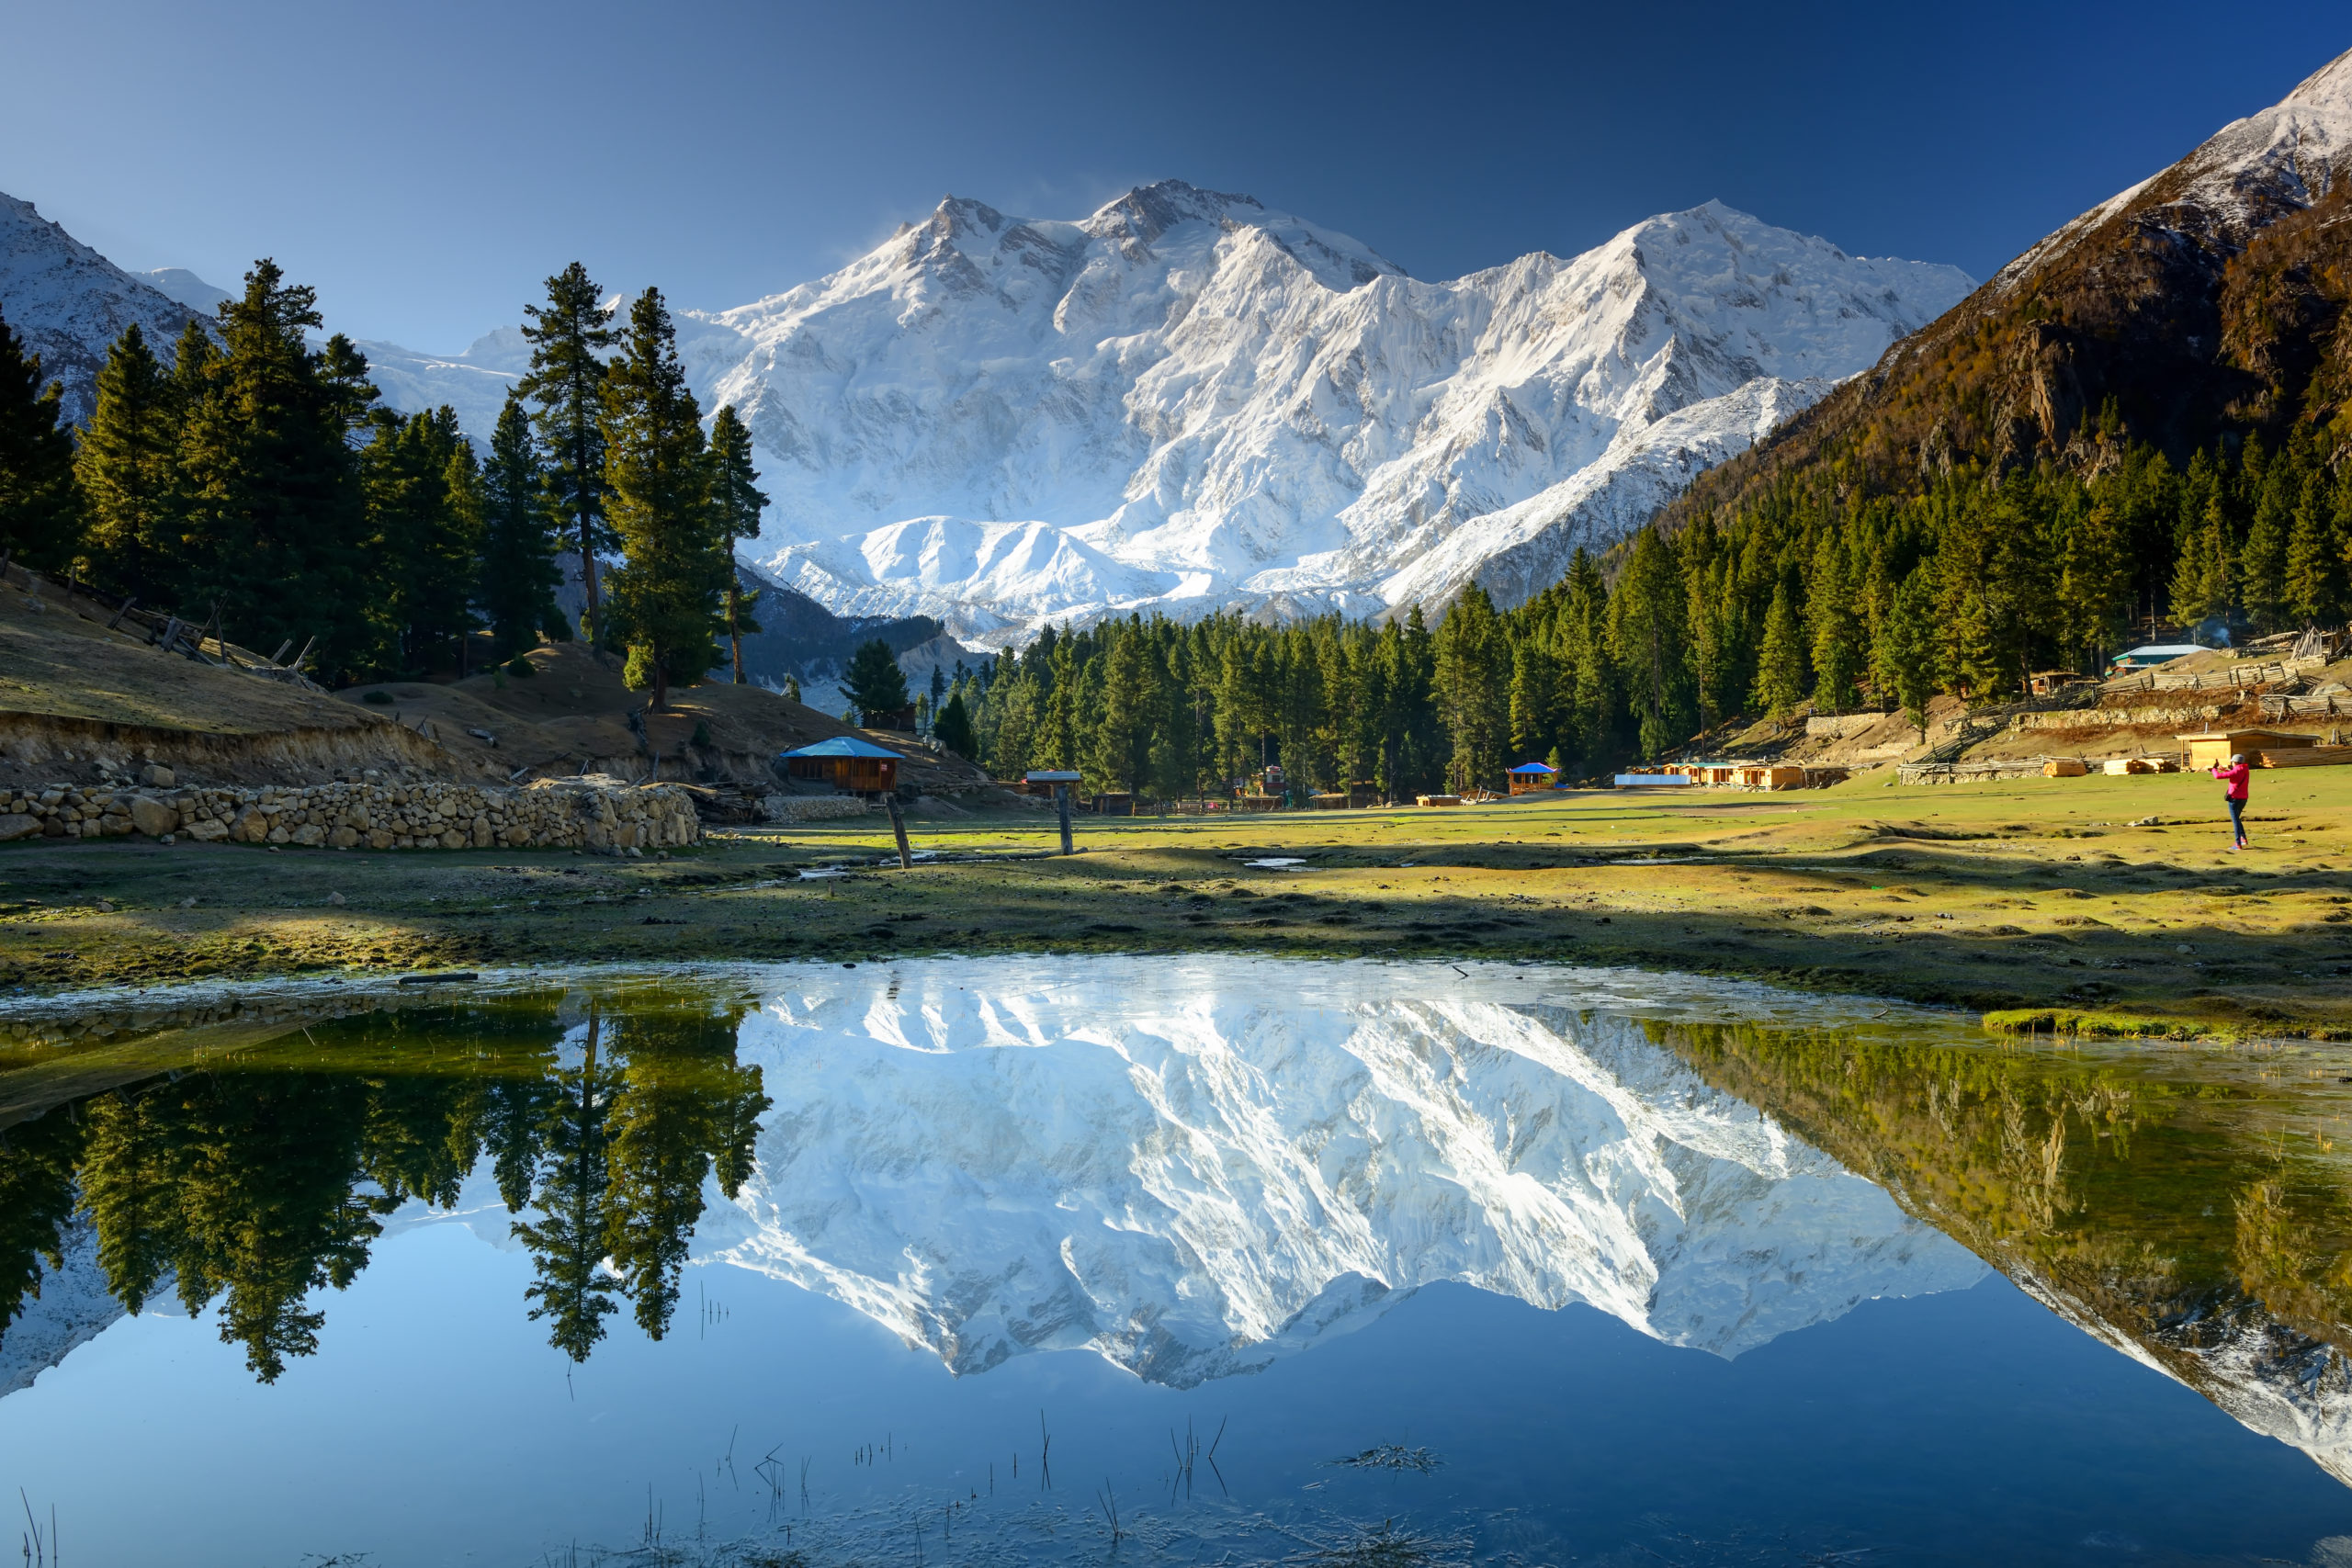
[427,165]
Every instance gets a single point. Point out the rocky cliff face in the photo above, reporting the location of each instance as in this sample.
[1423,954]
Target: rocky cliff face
[2205,298]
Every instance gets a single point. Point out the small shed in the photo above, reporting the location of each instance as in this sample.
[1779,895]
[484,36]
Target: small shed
[2064,768]
[849,764]
[2214,748]
[1531,776]
[2149,655]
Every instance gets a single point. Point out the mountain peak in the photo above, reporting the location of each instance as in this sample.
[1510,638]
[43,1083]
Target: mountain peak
[68,303]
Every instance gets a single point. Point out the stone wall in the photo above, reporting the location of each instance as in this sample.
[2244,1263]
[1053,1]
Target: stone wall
[591,814]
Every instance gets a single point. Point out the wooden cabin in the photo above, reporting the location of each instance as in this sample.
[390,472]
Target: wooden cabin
[850,765]
[2214,748]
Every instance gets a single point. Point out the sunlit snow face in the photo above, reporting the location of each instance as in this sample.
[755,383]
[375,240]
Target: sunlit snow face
[1192,1169]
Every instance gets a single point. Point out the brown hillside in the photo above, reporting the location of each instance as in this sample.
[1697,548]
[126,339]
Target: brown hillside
[576,717]
[2207,298]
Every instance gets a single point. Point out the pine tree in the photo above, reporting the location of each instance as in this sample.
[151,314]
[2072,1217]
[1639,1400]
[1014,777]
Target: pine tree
[1839,658]
[276,527]
[2201,582]
[1645,639]
[952,727]
[567,382]
[2316,552]
[1910,646]
[129,468]
[734,491]
[1473,687]
[666,598]
[41,506]
[518,569]
[874,683]
[1779,673]
[424,515]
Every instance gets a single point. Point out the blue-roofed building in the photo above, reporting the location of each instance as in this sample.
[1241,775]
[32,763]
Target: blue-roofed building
[1532,776]
[848,763]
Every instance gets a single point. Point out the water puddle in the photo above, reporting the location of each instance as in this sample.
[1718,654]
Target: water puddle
[1157,1261]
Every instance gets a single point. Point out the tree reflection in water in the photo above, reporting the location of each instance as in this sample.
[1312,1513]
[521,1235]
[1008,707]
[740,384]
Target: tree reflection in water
[253,1181]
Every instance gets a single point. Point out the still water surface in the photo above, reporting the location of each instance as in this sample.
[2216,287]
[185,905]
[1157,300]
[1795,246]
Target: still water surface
[952,1262]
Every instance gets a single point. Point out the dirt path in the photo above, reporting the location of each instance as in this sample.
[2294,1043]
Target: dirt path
[2048,902]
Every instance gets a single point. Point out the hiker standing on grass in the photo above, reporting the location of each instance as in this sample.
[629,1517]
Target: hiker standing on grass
[2235,777]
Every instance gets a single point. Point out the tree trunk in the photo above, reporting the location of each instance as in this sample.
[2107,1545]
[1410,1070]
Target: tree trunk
[594,616]
[661,690]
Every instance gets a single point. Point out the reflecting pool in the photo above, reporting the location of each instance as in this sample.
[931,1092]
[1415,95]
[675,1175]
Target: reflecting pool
[1159,1260]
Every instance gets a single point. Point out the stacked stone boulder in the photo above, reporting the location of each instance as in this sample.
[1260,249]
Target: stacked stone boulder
[591,814]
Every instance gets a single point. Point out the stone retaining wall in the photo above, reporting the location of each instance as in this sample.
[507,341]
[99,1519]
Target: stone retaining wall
[548,814]
[2098,718]
[812,807]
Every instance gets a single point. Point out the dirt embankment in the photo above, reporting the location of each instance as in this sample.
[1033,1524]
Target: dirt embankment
[83,702]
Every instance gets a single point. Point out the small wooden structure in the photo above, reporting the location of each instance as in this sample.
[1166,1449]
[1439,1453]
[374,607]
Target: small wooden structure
[2064,768]
[849,764]
[1529,776]
[1115,803]
[1771,775]
[2050,682]
[2123,765]
[1437,800]
[2214,748]
[1257,803]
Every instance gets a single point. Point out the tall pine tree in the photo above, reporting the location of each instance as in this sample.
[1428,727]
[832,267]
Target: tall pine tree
[566,383]
[129,468]
[518,569]
[666,597]
[41,506]
[276,515]
[734,489]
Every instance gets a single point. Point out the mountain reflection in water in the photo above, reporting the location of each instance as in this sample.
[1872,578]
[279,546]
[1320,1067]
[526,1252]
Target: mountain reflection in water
[1191,1169]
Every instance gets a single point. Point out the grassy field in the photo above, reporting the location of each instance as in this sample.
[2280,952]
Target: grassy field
[2099,904]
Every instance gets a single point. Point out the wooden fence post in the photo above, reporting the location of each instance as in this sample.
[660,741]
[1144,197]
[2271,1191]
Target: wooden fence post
[898,826]
[1061,809]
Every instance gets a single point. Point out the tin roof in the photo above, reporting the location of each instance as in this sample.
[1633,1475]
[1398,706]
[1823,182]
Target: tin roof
[844,746]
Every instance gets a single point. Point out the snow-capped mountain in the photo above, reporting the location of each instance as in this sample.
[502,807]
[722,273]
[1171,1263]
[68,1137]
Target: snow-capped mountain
[68,303]
[1190,401]
[991,1160]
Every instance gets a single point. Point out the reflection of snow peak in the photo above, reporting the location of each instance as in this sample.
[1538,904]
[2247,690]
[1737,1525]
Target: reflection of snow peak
[1192,1180]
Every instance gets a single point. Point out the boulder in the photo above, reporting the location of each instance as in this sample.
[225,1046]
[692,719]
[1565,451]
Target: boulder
[19,826]
[152,817]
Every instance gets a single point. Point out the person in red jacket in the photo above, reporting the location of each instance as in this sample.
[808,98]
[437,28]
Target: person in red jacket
[2234,778]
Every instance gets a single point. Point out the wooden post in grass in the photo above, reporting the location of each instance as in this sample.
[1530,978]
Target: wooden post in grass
[1061,809]
[898,826]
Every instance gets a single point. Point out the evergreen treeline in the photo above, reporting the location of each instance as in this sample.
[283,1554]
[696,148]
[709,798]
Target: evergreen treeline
[1809,596]
[254,1186]
[244,473]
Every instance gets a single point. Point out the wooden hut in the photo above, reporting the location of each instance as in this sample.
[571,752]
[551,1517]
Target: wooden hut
[2214,748]
[1529,776]
[849,764]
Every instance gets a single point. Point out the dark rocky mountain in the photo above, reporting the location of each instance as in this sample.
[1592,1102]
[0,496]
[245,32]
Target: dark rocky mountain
[2205,300]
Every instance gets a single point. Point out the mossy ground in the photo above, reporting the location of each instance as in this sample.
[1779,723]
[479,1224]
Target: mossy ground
[2040,903]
